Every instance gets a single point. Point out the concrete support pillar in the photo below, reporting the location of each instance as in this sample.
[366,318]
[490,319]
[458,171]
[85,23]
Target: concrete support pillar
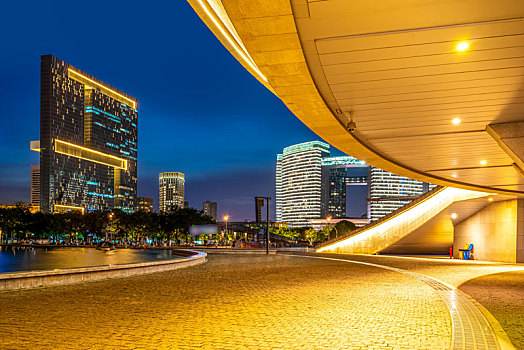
[496,231]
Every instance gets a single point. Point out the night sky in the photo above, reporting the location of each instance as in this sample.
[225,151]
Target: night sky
[200,111]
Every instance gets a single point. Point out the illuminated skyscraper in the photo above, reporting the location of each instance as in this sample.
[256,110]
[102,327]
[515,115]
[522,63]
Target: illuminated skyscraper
[88,141]
[145,204]
[311,185]
[35,185]
[384,185]
[337,174]
[299,186]
[170,190]
[210,209]
[278,188]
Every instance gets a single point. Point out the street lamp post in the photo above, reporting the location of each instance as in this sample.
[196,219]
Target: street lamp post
[226,219]
[334,227]
[329,231]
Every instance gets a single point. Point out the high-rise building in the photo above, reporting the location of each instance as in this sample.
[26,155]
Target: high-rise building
[387,192]
[337,174]
[278,189]
[299,185]
[171,190]
[210,209]
[35,185]
[145,204]
[88,141]
[312,185]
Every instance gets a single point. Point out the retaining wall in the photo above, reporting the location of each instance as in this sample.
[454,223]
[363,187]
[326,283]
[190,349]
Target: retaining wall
[35,279]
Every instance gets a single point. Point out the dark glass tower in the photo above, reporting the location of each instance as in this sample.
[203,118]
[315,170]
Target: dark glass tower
[88,141]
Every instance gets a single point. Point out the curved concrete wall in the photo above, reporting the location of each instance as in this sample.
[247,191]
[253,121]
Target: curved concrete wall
[383,233]
[35,279]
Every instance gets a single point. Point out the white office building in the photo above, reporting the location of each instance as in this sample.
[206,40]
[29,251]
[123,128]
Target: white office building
[171,190]
[299,183]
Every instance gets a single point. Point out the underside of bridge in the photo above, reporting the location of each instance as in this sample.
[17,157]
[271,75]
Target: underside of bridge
[429,90]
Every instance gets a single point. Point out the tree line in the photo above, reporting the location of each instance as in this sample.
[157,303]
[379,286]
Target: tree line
[19,224]
[313,236]
[138,228]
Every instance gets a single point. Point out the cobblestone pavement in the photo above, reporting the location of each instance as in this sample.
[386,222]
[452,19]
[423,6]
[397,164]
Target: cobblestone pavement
[503,295]
[233,302]
[498,287]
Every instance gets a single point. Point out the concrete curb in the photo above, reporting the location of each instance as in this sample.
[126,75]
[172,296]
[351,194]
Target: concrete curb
[58,277]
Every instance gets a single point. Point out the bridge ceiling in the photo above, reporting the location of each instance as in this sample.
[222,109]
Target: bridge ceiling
[396,67]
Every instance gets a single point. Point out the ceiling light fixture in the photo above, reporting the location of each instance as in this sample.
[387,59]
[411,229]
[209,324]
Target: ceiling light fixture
[456,121]
[454,216]
[462,46]
[483,162]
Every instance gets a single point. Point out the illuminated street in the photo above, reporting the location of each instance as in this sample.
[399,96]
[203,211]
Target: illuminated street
[244,301]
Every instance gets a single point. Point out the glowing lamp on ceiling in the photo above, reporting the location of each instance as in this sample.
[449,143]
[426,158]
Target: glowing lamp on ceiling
[462,46]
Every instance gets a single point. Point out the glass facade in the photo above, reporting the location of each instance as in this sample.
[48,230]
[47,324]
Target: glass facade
[145,204]
[337,174]
[384,185]
[35,185]
[88,138]
[210,209]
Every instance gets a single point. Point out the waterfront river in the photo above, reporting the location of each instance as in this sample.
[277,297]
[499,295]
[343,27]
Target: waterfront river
[30,259]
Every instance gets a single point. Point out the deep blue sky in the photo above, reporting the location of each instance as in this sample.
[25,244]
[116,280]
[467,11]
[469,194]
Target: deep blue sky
[200,112]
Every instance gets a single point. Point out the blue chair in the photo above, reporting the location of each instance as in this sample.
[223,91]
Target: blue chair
[466,252]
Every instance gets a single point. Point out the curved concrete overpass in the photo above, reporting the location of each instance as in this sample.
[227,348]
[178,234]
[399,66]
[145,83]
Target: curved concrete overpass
[434,88]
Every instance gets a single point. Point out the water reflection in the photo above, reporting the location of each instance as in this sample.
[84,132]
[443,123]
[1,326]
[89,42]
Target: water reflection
[28,259]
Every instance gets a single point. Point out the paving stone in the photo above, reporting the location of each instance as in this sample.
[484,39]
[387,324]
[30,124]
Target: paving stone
[233,302]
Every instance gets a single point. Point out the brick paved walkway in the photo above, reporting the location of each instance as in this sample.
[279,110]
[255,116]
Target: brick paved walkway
[233,302]
[503,295]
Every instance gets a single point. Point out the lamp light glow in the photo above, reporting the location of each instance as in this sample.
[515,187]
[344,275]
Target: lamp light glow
[456,121]
[462,46]
[454,216]
[483,162]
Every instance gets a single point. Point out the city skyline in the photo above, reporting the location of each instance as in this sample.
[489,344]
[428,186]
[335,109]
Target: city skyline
[167,100]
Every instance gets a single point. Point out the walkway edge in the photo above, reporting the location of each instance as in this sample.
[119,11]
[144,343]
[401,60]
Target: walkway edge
[502,337]
[58,277]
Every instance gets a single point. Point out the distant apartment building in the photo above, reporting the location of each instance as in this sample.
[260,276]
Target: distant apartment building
[386,192]
[171,190]
[312,185]
[145,204]
[88,142]
[210,209]
[35,185]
